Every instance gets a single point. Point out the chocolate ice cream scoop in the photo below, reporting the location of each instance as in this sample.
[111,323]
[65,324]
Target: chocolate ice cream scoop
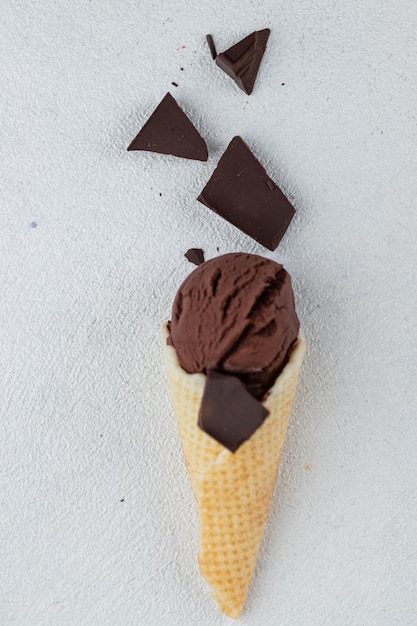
[235,314]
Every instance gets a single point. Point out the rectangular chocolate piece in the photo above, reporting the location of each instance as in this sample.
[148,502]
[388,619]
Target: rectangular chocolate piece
[241,192]
[228,412]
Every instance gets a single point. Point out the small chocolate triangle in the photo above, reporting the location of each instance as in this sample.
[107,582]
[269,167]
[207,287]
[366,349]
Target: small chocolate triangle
[241,192]
[228,412]
[195,255]
[241,62]
[169,131]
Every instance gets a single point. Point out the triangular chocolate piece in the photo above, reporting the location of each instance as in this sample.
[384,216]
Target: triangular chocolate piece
[241,192]
[169,131]
[228,412]
[241,62]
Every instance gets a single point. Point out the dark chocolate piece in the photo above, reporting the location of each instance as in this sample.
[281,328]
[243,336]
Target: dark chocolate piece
[195,255]
[228,412]
[169,131]
[241,191]
[241,62]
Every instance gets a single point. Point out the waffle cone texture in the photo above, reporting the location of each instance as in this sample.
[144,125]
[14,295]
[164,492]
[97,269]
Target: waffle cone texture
[233,490]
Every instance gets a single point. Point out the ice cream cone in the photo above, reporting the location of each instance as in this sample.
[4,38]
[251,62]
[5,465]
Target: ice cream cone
[233,489]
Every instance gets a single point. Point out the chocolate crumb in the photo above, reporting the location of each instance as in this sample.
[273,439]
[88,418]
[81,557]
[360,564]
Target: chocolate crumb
[169,340]
[175,84]
[122,500]
[195,255]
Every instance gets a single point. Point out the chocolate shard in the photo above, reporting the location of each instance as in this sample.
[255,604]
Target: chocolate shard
[169,131]
[241,62]
[241,192]
[195,255]
[211,46]
[228,412]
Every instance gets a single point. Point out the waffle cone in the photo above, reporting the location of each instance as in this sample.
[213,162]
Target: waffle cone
[233,490]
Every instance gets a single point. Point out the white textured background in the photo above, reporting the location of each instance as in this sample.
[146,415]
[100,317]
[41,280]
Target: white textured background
[97,521]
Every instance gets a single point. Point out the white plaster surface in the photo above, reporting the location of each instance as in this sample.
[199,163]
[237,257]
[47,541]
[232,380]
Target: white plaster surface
[97,521]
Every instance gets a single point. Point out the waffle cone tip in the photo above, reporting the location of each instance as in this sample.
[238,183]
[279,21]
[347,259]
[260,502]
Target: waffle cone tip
[233,490]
